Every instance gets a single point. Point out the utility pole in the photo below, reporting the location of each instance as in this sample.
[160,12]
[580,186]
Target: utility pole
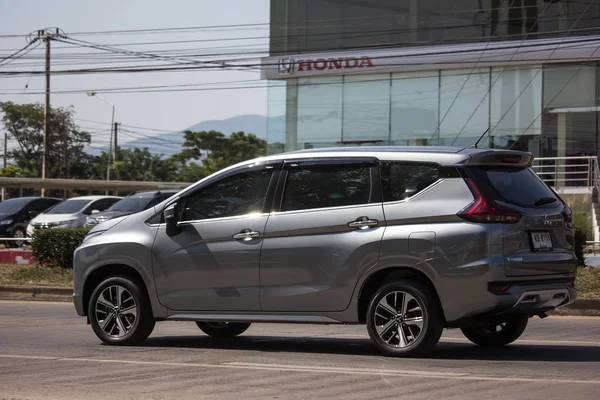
[47,37]
[116,150]
[5,159]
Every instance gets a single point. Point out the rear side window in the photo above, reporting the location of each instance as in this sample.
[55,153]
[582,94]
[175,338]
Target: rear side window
[520,187]
[326,186]
[403,180]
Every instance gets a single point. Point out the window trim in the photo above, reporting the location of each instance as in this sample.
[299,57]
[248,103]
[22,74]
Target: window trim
[375,194]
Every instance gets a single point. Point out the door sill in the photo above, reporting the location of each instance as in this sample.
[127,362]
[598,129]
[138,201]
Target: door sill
[275,318]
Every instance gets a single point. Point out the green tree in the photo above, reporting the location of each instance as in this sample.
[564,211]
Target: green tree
[25,123]
[10,171]
[216,151]
[141,165]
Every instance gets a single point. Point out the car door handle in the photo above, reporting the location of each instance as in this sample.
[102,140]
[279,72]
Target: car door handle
[246,235]
[363,223]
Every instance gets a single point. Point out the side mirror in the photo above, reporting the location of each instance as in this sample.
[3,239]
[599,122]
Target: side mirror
[170,215]
[95,211]
[33,214]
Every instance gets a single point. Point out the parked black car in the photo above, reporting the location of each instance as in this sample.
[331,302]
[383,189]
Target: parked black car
[131,204]
[16,213]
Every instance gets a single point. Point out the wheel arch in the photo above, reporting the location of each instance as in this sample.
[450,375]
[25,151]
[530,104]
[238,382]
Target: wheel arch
[109,270]
[389,274]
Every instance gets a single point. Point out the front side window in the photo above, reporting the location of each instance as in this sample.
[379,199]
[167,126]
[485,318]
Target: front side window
[326,186]
[403,180]
[236,195]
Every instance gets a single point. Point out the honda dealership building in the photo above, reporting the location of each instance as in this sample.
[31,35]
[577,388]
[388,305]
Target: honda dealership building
[519,74]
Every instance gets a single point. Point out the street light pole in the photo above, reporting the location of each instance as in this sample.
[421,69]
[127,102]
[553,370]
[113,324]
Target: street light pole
[112,124]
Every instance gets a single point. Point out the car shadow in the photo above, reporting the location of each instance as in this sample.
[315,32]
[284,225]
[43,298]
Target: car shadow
[364,347]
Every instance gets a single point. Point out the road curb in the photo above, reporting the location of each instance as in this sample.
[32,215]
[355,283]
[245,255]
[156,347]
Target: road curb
[36,293]
[583,307]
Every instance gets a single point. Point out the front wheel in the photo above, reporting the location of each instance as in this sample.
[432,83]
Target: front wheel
[222,329]
[19,233]
[404,319]
[120,312]
[497,334]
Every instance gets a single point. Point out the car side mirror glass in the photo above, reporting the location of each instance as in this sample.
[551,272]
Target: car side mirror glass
[170,215]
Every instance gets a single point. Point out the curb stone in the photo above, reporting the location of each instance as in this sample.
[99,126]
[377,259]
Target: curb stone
[36,293]
[581,307]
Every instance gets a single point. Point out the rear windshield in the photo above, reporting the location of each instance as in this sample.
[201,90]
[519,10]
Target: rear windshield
[521,187]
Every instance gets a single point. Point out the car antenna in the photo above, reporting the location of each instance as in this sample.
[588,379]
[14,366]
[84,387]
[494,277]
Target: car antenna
[480,137]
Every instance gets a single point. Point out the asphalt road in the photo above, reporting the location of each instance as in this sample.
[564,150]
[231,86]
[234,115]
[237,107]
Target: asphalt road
[47,352]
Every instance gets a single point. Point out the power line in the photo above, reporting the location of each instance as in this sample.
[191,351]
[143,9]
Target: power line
[15,56]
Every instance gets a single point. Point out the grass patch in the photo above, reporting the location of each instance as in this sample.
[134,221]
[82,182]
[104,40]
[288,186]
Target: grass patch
[588,282]
[32,275]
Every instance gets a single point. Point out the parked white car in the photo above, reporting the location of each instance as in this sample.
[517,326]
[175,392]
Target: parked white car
[71,213]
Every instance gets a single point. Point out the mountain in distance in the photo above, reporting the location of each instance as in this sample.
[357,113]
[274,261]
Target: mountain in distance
[168,143]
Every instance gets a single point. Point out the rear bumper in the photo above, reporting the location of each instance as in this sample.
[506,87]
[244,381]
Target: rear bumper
[522,298]
[533,300]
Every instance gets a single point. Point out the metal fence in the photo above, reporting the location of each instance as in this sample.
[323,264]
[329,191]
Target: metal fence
[576,172]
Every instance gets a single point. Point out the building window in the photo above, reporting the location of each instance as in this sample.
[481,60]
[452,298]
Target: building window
[516,106]
[366,109]
[319,112]
[464,106]
[415,102]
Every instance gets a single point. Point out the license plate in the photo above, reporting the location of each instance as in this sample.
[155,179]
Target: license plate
[542,241]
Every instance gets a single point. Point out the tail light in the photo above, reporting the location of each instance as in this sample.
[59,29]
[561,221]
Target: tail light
[567,214]
[484,210]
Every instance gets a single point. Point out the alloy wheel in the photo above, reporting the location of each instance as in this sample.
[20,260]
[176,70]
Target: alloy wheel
[399,319]
[116,311]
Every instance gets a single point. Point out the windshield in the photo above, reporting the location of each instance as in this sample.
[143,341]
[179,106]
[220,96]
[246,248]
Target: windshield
[69,207]
[521,187]
[12,206]
[131,204]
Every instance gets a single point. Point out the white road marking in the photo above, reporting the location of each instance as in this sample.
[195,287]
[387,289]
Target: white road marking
[315,369]
[465,340]
[532,341]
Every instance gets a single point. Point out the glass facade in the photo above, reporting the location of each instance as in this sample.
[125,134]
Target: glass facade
[550,110]
[304,26]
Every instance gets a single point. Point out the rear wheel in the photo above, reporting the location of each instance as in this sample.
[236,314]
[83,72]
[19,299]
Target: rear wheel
[120,312]
[404,319]
[497,334]
[222,329]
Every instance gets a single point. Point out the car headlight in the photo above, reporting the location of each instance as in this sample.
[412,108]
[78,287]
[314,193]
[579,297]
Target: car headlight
[6,222]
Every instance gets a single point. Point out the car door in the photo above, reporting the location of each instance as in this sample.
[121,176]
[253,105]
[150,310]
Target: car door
[325,232]
[212,263]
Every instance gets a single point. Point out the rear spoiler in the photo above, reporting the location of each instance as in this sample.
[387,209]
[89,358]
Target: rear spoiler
[501,159]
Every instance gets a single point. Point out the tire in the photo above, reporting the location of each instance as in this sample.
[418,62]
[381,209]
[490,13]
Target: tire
[18,233]
[404,319]
[497,334]
[223,330]
[130,321]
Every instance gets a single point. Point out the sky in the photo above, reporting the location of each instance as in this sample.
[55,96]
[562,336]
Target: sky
[169,111]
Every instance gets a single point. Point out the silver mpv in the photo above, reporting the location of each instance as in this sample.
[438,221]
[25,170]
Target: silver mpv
[407,240]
